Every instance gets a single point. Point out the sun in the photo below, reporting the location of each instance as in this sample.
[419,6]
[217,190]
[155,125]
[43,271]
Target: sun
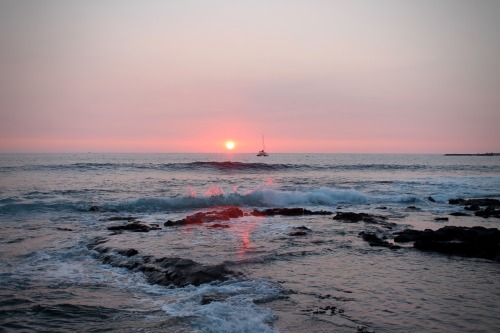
[230,145]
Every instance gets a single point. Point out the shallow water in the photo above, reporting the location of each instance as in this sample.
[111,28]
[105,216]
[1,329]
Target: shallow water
[329,280]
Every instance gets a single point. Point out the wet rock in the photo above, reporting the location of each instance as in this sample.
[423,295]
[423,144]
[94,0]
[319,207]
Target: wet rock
[472,208]
[479,202]
[206,217]
[94,209]
[302,228]
[459,214]
[128,252]
[477,242]
[134,227]
[218,225]
[441,219]
[490,211]
[121,218]
[289,212]
[166,271]
[374,240]
[298,233]
[214,297]
[431,199]
[413,208]
[358,217]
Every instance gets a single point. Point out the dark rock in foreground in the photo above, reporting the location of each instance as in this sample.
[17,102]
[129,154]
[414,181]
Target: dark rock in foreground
[476,242]
[178,272]
[475,205]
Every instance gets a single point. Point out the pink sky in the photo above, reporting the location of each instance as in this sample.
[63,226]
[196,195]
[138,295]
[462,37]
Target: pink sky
[383,76]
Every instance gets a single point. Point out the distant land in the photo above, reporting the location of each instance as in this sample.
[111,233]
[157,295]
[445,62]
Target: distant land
[483,154]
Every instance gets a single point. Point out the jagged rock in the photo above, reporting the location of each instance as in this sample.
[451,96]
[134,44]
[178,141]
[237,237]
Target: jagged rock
[289,212]
[357,217]
[298,233]
[374,240]
[163,271]
[128,252]
[488,212]
[473,208]
[459,214]
[477,242]
[479,202]
[214,297]
[134,226]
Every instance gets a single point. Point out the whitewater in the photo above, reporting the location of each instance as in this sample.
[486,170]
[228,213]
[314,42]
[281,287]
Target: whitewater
[61,269]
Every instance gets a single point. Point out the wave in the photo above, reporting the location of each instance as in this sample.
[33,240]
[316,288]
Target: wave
[229,166]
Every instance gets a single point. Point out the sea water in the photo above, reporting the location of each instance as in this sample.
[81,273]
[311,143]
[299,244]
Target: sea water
[329,280]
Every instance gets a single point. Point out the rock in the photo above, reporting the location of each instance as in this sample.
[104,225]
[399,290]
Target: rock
[413,208]
[472,208]
[94,209]
[431,199]
[289,212]
[479,202]
[490,211]
[217,215]
[134,226]
[218,225]
[214,297]
[298,233]
[374,240]
[351,217]
[122,218]
[166,271]
[302,228]
[441,219]
[128,252]
[477,242]
[459,214]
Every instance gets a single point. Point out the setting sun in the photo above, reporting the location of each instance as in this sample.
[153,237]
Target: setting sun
[230,145]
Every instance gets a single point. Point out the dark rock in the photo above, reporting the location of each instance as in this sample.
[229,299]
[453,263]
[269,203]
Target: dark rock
[218,215]
[441,219]
[298,233]
[459,214]
[479,202]
[218,225]
[477,242]
[473,208]
[382,207]
[94,209]
[167,271]
[431,199]
[302,228]
[122,218]
[134,226]
[413,208]
[490,211]
[351,217]
[374,240]
[214,297]
[289,212]
[128,252]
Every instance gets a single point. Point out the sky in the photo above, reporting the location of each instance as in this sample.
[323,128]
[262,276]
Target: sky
[313,76]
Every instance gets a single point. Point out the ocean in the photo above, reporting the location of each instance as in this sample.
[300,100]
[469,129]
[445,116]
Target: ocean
[63,270]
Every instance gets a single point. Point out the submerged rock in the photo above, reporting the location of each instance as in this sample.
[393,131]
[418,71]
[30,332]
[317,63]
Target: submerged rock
[477,242]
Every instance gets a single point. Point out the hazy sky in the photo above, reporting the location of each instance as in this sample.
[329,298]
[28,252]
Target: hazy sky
[312,75]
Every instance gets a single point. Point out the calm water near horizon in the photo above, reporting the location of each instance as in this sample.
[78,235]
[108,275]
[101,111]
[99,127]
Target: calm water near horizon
[327,281]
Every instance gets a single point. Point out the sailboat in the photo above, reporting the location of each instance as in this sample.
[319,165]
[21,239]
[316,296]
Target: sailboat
[263,151]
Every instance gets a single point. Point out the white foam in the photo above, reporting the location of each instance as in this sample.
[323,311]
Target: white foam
[237,313]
